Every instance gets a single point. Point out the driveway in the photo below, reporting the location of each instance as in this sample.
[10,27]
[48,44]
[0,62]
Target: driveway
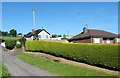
[17,67]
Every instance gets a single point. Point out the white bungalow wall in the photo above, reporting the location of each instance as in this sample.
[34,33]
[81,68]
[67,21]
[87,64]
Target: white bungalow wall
[118,40]
[43,35]
[96,40]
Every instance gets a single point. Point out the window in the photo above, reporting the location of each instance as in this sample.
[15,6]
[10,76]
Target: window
[46,36]
[39,36]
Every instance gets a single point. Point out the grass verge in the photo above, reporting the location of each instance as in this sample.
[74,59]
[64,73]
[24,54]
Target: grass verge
[3,72]
[58,68]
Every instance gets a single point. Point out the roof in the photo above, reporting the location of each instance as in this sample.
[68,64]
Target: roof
[28,34]
[93,33]
[40,30]
[37,32]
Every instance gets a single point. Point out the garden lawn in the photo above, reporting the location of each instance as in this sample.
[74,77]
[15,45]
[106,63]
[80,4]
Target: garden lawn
[58,68]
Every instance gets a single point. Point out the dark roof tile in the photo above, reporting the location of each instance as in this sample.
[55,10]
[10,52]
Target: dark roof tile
[94,33]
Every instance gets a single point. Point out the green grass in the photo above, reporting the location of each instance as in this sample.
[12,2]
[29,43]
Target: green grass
[12,38]
[58,68]
[0,70]
[3,72]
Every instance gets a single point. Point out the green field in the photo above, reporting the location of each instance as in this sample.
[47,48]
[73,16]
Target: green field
[58,68]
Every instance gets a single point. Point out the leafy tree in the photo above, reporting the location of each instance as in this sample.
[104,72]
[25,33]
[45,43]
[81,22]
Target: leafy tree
[0,33]
[64,36]
[54,36]
[13,32]
[59,35]
[6,33]
[19,33]
[3,33]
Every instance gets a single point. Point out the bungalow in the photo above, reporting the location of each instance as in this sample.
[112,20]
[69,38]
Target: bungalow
[95,36]
[42,34]
[118,39]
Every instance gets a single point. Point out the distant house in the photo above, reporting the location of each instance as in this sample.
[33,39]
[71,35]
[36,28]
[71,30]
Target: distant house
[95,36]
[118,39]
[42,35]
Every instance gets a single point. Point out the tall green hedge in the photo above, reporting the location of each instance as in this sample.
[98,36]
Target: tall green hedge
[103,55]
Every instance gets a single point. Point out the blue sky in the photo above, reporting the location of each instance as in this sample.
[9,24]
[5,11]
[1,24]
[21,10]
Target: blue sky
[60,17]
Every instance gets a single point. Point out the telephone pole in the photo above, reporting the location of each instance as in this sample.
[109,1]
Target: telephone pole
[34,19]
[35,36]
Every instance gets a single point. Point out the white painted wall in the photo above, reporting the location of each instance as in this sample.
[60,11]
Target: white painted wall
[96,40]
[31,38]
[58,38]
[118,40]
[3,44]
[108,41]
[43,35]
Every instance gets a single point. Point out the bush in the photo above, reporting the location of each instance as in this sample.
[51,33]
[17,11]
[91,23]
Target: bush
[10,44]
[64,38]
[18,45]
[22,41]
[103,55]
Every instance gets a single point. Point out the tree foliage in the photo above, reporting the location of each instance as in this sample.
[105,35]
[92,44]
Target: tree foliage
[13,32]
[55,36]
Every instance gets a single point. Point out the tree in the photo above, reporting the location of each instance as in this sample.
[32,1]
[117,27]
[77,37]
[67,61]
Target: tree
[13,32]
[54,36]
[19,33]
[59,35]
[4,33]
[64,36]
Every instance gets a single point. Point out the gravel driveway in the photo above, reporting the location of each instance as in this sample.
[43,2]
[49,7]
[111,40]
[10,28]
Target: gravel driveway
[17,67]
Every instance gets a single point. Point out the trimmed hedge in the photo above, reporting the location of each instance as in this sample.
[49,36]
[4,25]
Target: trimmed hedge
[103,55]
[10,44]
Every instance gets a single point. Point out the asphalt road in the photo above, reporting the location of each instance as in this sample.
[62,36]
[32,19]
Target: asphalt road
[17,67]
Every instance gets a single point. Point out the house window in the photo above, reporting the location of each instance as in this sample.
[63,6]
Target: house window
[46,36]
[39,36]
[96,40]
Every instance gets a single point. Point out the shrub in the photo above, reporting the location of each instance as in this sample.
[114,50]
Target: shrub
[18,45]
[103,55]
[22,41]
[64,38]
[10,44]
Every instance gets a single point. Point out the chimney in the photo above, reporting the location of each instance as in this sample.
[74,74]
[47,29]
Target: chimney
[84,30]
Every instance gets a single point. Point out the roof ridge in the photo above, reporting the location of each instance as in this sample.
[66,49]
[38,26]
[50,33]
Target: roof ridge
[89,33]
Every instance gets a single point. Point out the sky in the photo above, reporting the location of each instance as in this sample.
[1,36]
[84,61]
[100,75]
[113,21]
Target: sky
[60,17]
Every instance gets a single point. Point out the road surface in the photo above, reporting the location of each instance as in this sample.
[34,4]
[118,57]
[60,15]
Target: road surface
[17,67]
